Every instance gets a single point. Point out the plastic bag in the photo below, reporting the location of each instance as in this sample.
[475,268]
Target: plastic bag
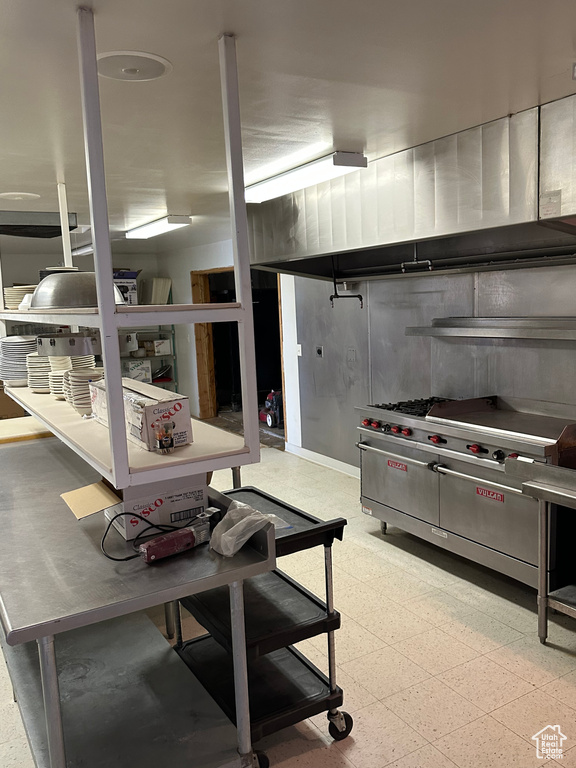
[235,528]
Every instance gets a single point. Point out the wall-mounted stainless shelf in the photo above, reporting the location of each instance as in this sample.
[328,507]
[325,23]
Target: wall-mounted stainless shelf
[548,328]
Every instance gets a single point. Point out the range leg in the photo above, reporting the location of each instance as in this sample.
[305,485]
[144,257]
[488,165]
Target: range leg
[543,516]
[51,696]
[240,674]
[236,479]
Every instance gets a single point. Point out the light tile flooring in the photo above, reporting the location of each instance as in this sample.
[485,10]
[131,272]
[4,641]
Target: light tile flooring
[438,658]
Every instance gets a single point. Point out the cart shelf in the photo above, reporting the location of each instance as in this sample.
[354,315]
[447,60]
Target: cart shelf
[306,531]
[212,448]
[278,612]
[285,688]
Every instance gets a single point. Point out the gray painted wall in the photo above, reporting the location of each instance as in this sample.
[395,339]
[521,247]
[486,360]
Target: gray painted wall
[390,366]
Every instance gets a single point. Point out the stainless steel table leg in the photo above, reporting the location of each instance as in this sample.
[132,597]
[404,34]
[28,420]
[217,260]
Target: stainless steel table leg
[170,618]
[51,696]
[178,622]
[543,508]
[240,673]
[236,480]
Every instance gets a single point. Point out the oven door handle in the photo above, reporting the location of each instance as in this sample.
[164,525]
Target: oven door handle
[441,469]
[395,456]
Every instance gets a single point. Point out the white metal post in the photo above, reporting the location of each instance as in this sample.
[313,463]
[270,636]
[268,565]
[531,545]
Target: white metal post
[64,223]
[101,240]
[235,168]
[3,326]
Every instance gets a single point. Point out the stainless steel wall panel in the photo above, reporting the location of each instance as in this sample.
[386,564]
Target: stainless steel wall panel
[391,366]
[558,158]
[424,189]
[446,184]
[401,365]
[470,187]
[523,184]
[481,178]
[331,385]
[540,292]
[368,204]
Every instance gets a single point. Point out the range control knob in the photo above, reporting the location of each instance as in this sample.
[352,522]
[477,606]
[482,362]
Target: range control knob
[375,424]
[499,455]
[512,455]
[406,432]
[436,439]
[396,430]
[475,448]
[366,422]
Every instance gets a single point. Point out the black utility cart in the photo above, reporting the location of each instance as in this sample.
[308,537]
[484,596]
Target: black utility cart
[285,687]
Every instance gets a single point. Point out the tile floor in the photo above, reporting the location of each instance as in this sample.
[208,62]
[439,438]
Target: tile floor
[438,658]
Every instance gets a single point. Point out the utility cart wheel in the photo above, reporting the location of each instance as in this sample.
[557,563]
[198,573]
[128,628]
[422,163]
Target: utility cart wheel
[263,761]
[383,528]
[333,729]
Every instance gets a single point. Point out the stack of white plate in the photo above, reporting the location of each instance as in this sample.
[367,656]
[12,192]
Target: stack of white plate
[56,379]
[13,296]
[60,364]
[79,381]
[13,353]
[38,373]
[83,361]
[66,388]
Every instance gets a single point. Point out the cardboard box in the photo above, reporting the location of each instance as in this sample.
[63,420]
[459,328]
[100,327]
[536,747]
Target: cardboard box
[137,369]
[168,502]
[146,408]
[9,409]
[157,347]
[127,283]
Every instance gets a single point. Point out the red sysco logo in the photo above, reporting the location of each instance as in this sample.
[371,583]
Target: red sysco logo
[134,522]
[488,494]
[155,505]
[397,465]
[167,415]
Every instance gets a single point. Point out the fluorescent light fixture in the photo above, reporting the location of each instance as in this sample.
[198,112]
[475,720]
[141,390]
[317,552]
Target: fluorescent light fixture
[158,227]
[83,250]
[323,169]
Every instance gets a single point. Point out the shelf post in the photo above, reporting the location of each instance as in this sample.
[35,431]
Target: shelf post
[101,239]
[239,221]
[3,326]
[64,224]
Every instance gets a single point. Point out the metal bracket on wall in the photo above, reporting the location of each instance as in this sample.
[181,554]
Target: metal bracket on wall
[337,295]
[415,262]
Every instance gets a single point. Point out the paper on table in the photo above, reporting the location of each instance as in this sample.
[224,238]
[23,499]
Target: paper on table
[90,499]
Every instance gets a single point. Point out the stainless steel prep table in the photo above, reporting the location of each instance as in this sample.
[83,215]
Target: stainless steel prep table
[549,485]
[53,577]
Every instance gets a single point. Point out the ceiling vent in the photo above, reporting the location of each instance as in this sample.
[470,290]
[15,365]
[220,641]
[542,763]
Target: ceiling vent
[33,224]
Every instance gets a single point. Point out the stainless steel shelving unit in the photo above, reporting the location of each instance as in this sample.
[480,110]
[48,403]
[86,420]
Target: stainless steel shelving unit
[35,604]
[119,465]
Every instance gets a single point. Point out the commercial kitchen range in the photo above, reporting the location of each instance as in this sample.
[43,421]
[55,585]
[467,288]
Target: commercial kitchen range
[435,468]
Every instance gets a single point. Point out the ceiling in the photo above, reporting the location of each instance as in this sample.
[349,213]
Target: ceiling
[374,76]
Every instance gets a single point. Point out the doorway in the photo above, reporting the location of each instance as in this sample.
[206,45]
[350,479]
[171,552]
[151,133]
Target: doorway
[217,355]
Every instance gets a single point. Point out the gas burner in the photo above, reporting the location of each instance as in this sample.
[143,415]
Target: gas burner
[411,407]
